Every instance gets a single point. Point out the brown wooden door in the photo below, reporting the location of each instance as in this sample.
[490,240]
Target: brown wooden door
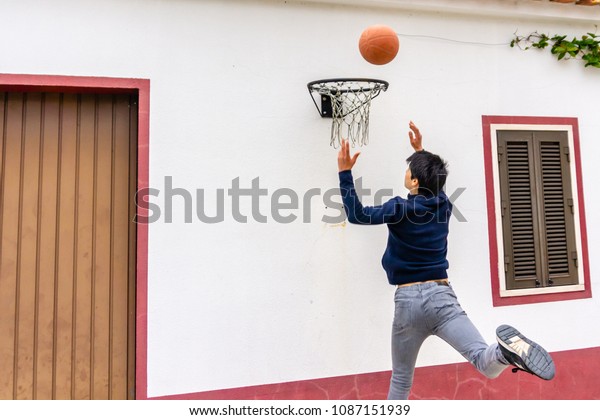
[67,245]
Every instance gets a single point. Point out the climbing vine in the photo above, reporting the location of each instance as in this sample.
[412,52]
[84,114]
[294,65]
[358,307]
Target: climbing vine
[586,48]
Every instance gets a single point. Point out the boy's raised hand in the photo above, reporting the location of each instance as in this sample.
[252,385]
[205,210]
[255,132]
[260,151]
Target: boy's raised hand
[416,140]
[345,162]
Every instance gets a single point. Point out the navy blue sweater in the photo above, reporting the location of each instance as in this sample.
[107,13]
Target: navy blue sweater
[418,230]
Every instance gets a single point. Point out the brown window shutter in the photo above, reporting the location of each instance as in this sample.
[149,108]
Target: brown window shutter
[557,211]
[520,223]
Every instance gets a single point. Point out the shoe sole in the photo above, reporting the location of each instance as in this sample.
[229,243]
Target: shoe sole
[533,356]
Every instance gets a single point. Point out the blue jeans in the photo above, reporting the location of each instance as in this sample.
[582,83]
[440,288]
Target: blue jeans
[432,309]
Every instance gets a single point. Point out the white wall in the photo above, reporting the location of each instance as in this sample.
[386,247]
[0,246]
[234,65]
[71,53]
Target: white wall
[234,304]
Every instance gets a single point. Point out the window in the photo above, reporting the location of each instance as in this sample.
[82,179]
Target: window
[535,203]
[537,209]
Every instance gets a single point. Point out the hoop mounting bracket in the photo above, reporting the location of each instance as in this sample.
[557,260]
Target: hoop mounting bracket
[326,107]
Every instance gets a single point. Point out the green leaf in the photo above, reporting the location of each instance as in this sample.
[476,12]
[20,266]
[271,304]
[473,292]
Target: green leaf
[584,42]
[591,58]
[569,47]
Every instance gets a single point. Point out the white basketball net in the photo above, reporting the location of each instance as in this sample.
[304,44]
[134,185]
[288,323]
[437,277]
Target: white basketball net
[351,102]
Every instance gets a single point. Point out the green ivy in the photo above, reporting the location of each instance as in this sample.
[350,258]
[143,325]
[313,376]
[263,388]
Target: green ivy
[586,48]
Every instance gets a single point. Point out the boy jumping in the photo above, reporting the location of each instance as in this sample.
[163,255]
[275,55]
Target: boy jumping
[415,262]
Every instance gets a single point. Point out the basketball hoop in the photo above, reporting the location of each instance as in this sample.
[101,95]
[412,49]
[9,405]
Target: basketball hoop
[347,102]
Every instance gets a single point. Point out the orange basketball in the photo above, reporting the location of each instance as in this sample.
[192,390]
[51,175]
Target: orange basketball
[378,44]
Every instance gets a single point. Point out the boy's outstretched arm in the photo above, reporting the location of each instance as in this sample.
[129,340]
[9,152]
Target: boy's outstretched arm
[389,212]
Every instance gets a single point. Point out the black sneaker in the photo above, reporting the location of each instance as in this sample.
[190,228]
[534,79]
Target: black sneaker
[523,353]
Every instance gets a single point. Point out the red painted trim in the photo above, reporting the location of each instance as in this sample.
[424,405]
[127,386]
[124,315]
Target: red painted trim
[71,84]
[576,378]
[141,324]
[77,84]
[491,209]
[373,386]
[497,300]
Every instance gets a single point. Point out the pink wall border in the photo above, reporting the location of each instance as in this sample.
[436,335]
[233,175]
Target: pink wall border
[84,84]
[487,120]
[576,379]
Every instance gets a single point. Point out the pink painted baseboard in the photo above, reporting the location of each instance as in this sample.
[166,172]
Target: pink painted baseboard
[577,377]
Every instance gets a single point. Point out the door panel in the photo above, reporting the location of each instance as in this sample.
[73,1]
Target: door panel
[67,245]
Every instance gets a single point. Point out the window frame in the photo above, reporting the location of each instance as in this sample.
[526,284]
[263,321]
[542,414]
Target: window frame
[500,295]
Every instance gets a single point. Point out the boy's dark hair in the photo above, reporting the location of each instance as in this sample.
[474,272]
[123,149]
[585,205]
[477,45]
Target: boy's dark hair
[430,170]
